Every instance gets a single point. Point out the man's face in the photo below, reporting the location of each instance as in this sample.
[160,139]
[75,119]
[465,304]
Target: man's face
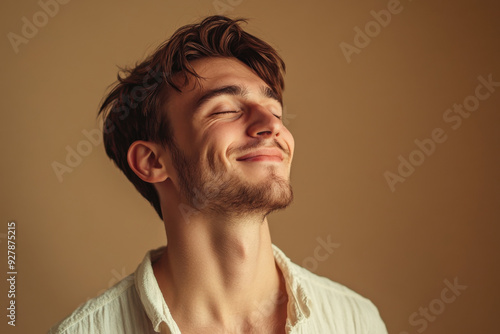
[232,153]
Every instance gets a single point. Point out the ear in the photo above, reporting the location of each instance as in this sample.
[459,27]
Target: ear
[145,159]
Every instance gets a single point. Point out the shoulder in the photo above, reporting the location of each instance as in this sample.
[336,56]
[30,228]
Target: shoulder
[99,310]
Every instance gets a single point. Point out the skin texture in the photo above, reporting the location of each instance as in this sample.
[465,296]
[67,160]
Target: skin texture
[229,168]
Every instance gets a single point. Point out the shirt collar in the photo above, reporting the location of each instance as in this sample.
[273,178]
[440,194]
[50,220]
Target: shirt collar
[298,308]
[299,305]
[151,296]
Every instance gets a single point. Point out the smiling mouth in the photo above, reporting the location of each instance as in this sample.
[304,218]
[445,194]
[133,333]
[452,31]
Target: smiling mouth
[262,158]
[266,154]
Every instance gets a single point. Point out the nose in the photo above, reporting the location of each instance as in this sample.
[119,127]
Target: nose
[263,123]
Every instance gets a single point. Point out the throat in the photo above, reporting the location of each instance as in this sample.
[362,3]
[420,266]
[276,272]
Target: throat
[222,274]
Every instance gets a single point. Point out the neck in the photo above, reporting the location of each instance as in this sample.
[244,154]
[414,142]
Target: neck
[220,271]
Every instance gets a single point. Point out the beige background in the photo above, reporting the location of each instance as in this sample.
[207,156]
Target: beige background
[351,121]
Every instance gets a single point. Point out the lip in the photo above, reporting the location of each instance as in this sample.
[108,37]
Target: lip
[264,154]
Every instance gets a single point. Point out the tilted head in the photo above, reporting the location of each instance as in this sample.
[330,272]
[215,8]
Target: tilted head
[135,107]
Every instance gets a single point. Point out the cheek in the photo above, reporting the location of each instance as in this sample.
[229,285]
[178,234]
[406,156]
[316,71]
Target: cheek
[288,138]
[215,146]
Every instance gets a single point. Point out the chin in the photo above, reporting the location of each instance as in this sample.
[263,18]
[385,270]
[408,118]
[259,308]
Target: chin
[261,174]
[278,194]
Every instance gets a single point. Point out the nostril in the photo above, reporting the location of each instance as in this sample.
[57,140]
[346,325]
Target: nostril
[264,132]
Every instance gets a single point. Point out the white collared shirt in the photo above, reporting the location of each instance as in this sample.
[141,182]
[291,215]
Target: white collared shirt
[135,305]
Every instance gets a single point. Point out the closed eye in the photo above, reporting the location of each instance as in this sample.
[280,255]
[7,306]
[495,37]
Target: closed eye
[226,112]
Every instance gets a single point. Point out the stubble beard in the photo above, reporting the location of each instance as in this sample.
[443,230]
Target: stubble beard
[213,191]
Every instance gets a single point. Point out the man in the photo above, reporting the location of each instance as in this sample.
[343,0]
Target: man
[197,128]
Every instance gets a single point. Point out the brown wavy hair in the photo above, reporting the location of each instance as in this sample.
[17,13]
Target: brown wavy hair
[134,109]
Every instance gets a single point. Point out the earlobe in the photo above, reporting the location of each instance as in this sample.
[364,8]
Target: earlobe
[144,158]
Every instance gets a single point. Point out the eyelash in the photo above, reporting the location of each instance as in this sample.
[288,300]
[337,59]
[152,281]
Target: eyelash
[227,112]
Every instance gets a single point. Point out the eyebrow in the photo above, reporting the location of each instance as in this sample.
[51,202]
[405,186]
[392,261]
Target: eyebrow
[233,90]
[268,92]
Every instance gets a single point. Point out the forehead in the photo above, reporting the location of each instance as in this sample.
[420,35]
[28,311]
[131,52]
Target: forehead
[215,73]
